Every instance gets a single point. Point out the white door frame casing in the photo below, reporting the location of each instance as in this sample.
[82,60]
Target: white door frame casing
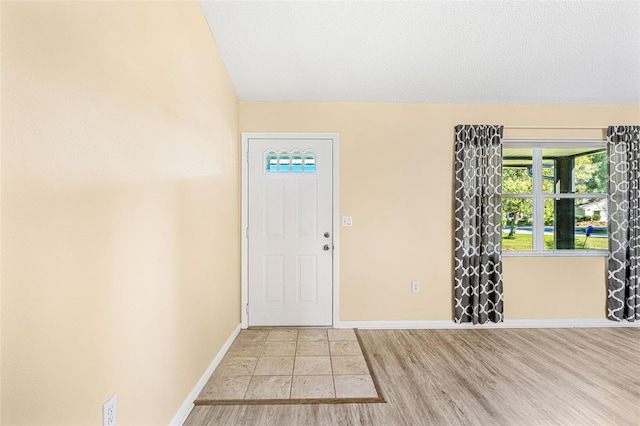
[335,142]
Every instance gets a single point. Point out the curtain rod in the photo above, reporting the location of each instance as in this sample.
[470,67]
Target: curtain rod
[558,127]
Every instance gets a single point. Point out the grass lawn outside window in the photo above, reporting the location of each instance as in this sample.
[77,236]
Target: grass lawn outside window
[523,242]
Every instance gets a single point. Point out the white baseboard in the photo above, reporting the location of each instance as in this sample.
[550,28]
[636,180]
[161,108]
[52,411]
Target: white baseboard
[187,405]
[515,323]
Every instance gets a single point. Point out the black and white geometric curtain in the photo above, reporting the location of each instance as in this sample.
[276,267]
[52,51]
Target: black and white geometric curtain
[478,224]
[623,295]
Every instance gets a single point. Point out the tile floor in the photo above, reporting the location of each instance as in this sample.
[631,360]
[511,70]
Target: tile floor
[292,364]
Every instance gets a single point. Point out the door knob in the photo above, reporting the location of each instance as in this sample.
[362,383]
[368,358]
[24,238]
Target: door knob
[327,235]
[326,247]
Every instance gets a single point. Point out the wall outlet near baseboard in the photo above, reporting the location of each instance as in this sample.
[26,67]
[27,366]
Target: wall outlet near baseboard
[110,412]
[415,286]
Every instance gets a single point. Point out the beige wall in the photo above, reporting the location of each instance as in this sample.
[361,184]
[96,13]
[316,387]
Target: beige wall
[396,180]
[120,261]
[1,350]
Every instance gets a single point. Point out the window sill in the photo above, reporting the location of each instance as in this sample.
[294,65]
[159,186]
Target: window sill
[556,253]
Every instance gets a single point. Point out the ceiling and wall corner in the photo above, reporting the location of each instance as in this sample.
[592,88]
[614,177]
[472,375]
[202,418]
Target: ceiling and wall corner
[515,52]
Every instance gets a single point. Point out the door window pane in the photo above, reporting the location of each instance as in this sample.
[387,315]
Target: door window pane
[309,162]
[284,162]
[272,162]
[296,162]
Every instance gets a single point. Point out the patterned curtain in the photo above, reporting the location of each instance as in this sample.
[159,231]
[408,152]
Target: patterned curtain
[478,224]
[623,146]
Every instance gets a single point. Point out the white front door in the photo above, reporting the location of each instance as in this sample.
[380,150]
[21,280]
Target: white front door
[290,241]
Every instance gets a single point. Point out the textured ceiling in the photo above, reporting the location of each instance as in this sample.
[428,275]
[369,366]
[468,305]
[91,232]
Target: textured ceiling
[541,52]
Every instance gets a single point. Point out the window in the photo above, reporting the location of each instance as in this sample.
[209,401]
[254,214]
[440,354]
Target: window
[296,162]
[554,197]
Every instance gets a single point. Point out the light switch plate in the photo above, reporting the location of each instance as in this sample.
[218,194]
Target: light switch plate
[346,221]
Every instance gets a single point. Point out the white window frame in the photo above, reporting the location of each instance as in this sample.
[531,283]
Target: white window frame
[538,197]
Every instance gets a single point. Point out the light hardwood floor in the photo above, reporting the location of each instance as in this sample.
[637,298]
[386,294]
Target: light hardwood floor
[479,377]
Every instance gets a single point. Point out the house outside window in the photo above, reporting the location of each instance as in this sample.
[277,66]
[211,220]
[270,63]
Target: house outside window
[554,198]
